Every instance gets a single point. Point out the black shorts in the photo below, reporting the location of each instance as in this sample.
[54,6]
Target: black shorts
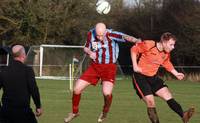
[145,85]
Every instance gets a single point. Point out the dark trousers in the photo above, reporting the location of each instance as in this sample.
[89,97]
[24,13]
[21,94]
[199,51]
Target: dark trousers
[17,115]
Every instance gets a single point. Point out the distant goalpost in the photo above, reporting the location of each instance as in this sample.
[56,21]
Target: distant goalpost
[54,61]
[61,62]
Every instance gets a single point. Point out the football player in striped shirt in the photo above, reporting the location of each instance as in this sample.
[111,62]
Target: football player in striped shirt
[102,47]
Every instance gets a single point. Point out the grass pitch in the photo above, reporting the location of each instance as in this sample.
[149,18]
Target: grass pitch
[126,106]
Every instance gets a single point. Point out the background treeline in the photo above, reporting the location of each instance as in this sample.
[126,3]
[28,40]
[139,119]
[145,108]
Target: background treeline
[34,22]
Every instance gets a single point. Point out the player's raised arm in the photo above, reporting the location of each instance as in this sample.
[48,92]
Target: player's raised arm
[131,39]
[121,37]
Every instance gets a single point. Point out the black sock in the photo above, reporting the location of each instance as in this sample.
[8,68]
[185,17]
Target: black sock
[176,107]
[153,115]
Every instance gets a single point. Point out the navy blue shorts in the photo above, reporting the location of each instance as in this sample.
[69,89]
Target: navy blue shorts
[145,85]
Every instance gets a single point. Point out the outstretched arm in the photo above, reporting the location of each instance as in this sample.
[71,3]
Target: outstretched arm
[131,39]
[169,67]
[121,37]
[178,75]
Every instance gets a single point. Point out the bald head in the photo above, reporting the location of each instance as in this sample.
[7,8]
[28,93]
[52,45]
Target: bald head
[100,29]
[18,52]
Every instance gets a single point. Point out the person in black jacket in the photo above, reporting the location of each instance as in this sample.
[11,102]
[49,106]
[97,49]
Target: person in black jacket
[18,83]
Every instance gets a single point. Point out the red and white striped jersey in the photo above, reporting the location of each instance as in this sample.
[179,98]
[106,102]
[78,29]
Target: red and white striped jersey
[107,51]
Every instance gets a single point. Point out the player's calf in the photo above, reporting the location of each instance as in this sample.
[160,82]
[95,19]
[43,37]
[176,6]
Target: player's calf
[153,115]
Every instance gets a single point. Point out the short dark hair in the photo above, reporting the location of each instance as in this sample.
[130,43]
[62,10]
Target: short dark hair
[167,36]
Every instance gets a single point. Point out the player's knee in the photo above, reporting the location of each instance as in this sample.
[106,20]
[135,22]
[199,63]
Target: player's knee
[107,93]
[77,91]
[150,103]
[166,96]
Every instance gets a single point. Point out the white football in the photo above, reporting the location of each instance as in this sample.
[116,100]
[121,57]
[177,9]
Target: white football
[103,7]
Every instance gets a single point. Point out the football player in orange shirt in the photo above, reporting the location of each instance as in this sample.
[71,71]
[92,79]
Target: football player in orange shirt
[147,84]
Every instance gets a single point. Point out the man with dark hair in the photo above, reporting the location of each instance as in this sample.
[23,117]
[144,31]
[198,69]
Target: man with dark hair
[18,83]
[147,83]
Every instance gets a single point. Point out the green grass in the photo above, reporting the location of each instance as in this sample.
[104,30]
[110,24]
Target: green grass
[126,106]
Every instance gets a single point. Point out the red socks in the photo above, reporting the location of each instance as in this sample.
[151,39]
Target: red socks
[75,102]
[107,103]
[76,99]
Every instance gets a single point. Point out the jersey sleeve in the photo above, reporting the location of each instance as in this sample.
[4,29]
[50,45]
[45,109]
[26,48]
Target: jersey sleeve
[88,42]
[117,36]
[143,46]
[167,64]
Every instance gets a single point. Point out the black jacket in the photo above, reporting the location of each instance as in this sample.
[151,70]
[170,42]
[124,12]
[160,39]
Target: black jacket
[18,83]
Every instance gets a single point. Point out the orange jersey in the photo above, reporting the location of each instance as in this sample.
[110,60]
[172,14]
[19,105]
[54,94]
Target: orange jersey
[151,58]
